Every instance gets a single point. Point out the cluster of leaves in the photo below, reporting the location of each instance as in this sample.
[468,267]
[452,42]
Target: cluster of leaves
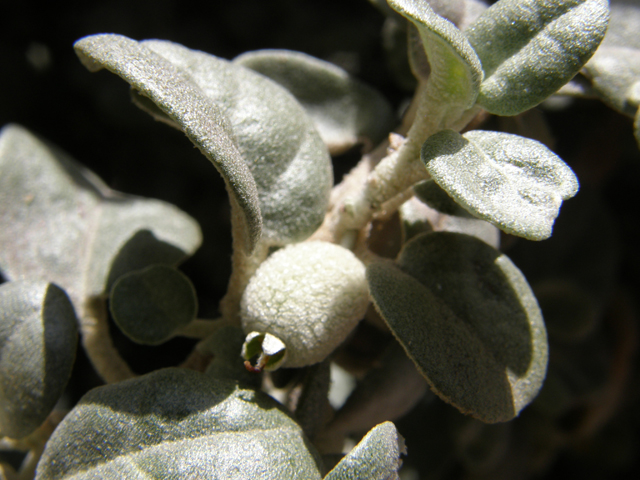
[74,251]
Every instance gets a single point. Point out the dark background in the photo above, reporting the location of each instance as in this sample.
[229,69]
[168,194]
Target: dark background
[44,87]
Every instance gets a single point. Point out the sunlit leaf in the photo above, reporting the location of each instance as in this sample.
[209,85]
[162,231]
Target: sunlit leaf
[615,76]
[255,133]
[375,457]
[177,423]
[515,183]
[456,72]
[60,223]
[344,110]
[468,319]
[530,48]
[38,337]
[149,305]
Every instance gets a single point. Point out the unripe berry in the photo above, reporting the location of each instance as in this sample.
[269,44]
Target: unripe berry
[309,296]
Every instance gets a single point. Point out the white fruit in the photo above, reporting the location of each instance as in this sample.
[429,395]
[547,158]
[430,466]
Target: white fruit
[310,296]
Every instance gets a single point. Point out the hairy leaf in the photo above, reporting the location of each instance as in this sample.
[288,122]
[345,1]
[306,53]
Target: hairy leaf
[344,110]
[623,24]
[456,72]
[175,424]
[530,48]
[255,133]
[375,457]
[149,305]
[60,223]
[515,183]
[38,337]
[615,76]
[468,319]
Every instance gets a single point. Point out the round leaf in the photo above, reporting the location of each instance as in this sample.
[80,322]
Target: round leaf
[515,183]
[177,423]
[468,319]
[150,305]
[344,110]
[530,48]
[38,337]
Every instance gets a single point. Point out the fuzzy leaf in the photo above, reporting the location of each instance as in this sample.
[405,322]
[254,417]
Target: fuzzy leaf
[150,305]
[344,110]
[38,337]
[456,72]
[375,457]
[60,223]
[468,319]
[255,133]
[515,183]
[624,24]
[530,48]
[615,76]
[177,423]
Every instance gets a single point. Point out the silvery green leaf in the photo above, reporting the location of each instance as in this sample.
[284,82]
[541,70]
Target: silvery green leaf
[344,110]
[515,183]
[256,134]
[176,424]
[60,223]
[179,101]
[467,317]
[624,24]
[456,72]
[149,305]
[38,337]
[530,48]
[615,77]
[375,457]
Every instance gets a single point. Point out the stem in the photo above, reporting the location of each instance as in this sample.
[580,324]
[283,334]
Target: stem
[402,168]
[200,328]
[97,343]
[243,265]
